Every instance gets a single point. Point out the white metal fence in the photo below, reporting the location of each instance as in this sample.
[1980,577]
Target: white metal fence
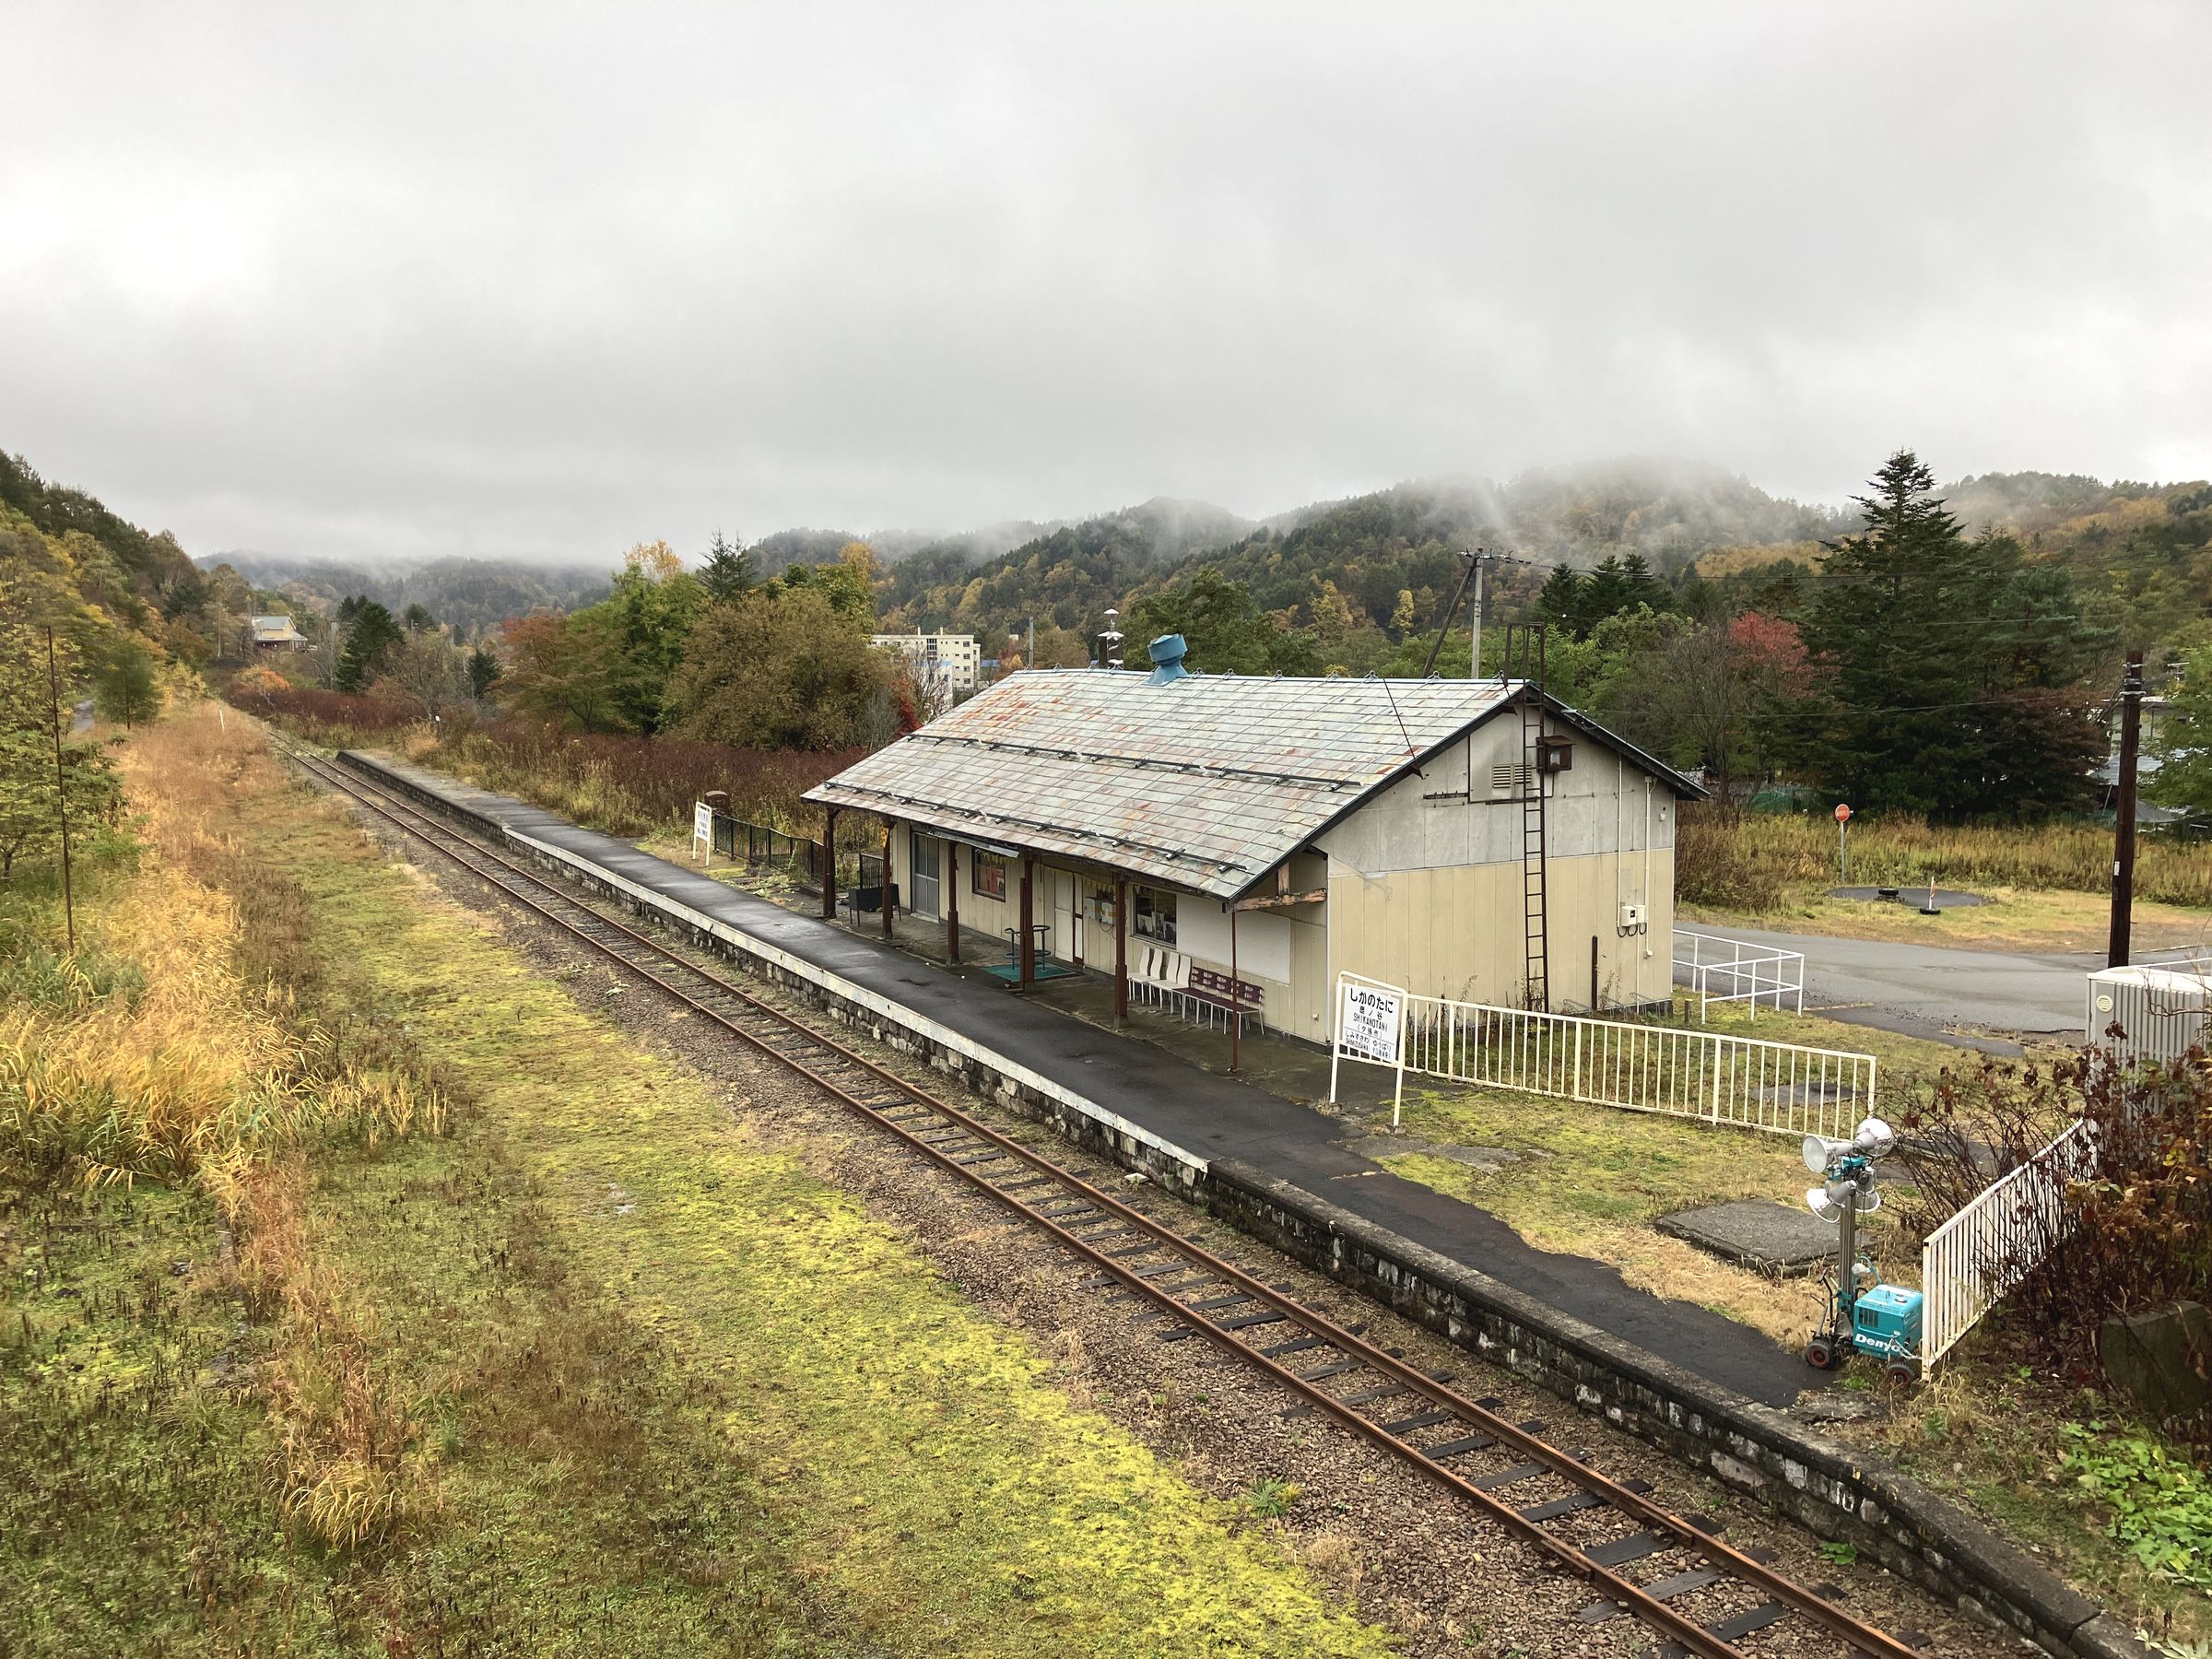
[1986,1248]
[1780,1087]
[1719,970]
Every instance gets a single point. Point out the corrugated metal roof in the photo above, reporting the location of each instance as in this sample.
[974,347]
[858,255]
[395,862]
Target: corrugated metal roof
[1208,781]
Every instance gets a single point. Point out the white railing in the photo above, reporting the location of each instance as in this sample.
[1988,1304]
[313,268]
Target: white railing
[1719,970]
[1784,1088]
[1986,1248]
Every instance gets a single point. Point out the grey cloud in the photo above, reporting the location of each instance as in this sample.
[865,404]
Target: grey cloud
[547,280]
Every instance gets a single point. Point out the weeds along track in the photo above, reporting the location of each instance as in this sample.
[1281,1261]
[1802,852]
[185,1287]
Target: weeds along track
[1461,1444]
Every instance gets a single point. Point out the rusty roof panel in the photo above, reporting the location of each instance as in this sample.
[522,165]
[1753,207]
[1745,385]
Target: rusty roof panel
[1207,781]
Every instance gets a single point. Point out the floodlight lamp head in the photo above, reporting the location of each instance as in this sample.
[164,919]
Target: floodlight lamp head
[1830,1200]
[1873,1138]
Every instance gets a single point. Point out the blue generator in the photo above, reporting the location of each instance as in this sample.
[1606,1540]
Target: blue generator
[1885,1323]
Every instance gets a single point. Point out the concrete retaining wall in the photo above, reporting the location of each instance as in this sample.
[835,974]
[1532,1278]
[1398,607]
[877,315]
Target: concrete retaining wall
[1835,1490]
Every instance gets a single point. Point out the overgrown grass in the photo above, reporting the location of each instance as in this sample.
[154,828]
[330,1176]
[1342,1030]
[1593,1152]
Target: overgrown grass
[1755,861]
[631,785]
[1590,1180]
[622,785]
[174,1065]
[2013,1444]
[591,1373]
[946,1494]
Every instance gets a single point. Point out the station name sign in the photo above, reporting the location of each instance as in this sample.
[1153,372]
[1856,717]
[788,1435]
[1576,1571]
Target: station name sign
[1370,1022]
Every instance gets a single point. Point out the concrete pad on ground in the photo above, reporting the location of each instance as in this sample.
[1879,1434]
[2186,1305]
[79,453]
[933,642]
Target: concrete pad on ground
[1756,1233]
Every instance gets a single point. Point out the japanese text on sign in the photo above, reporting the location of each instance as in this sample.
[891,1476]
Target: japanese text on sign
[1370,1023]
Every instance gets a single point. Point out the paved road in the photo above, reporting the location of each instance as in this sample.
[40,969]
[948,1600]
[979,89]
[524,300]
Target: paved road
[1928,990]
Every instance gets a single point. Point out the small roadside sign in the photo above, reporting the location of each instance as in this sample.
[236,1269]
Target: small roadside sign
[703,829]
[1842,813]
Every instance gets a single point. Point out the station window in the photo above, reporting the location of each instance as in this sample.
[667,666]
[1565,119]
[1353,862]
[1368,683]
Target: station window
[988,875]
[1153,911]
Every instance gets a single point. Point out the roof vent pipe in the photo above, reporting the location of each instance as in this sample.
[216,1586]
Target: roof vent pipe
[1166,653]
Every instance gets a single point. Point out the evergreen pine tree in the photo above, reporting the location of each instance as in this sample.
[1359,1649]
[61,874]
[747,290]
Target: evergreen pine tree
[1607,593]
[728,570]
[483,670]
[1952,672]
[123,686]
[1643,586]
[1560,601]
[368,642]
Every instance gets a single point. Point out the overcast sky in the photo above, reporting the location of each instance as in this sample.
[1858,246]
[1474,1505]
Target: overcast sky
[550,279]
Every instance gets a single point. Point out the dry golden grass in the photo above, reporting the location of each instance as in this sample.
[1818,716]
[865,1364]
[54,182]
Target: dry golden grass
[1756,861]
[194,1074]
[200,1075]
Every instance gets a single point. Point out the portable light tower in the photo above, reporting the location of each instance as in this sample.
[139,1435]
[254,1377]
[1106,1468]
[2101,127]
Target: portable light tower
[1883,1321]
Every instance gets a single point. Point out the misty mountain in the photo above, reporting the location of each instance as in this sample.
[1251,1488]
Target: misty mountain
[474,595]
[1064,578]
[1376,564]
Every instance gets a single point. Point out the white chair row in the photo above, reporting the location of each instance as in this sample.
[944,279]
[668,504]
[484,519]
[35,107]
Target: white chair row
[1161,966]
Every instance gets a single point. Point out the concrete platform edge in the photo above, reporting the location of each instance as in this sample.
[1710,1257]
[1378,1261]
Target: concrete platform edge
[1836,1491]
[1833,1490]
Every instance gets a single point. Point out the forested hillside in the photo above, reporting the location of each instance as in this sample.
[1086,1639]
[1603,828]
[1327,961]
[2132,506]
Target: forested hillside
[88,603]
[473,595]
[1364,574]
[2140,555]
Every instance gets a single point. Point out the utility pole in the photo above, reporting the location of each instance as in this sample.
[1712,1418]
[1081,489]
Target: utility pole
[61,792]
[1469,577]
[2123,820]
[1475,662]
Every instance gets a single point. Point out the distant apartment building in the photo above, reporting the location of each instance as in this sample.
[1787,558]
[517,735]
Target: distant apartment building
[956,659]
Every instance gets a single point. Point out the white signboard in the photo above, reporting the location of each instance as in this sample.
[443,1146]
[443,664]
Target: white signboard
[702,827]
[1369,1021]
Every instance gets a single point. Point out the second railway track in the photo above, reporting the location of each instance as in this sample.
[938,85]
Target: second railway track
[1461,1444]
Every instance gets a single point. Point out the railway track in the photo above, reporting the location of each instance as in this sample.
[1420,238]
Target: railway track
[1463,1445]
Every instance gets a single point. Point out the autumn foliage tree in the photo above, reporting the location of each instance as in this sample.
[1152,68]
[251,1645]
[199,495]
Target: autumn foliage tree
[782,668]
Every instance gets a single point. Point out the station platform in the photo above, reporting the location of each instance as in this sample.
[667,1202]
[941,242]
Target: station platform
[1168,1101]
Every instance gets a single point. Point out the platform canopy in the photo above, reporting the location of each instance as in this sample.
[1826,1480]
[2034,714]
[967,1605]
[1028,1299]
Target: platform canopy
[1207,783]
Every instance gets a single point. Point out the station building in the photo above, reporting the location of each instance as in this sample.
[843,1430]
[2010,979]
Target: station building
[1223,843]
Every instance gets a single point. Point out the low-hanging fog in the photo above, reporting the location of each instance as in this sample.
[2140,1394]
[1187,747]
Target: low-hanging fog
[413,280]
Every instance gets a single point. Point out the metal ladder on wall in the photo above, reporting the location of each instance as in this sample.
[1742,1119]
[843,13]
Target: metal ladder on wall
[1525,643]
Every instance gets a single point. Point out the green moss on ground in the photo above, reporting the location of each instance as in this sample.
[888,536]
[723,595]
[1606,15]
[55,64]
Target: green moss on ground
[914,1455]
[1590,1179]
[665,1391]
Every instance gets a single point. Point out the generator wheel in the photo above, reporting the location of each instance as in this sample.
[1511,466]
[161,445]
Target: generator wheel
[1820,1354]
[1902,1371]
